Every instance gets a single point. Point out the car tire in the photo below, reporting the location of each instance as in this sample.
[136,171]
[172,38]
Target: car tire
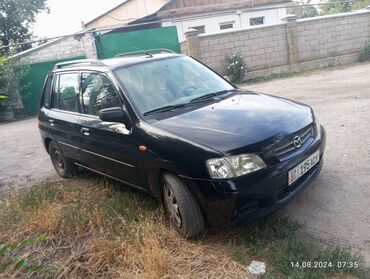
[62,166]
[184,211]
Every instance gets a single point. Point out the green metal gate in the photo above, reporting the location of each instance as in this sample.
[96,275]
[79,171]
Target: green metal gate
[34,80]
[110,45]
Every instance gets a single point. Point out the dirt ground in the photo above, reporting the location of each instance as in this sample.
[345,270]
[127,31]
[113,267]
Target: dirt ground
[23,159]
[335,207]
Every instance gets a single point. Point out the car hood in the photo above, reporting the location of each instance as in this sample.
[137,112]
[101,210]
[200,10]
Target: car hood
[243,121]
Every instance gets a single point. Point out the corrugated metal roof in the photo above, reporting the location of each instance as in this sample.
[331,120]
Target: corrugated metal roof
[186,7]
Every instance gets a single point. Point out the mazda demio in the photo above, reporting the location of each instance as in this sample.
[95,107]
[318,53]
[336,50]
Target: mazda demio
[166,124]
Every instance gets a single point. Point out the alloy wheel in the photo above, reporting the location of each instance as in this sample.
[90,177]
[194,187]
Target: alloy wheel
[58,159]
[172,205]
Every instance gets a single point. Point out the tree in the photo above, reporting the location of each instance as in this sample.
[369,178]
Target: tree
[309,11]
[336,6]
[16,18]
[302,9]
[11,83]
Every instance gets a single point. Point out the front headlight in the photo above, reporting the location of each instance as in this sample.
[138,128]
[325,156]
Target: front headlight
[234,166]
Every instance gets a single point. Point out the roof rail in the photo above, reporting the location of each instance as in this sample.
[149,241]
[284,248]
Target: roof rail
[145,52]
[82,61]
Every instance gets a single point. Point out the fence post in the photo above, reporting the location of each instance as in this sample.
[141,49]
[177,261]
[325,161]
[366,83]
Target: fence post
[88,43]
[192,43]
[292,40]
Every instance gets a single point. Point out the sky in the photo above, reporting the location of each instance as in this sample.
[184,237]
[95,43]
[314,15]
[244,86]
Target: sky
[65,16]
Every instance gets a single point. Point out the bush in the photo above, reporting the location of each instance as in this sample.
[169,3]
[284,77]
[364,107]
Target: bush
[365,52]
[236,69]
[11,75]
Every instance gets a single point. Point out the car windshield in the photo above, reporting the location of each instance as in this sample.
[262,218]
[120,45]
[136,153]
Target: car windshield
[170,83]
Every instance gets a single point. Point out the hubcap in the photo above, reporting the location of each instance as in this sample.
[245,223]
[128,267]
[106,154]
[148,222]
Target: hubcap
[172,206]
[58,159]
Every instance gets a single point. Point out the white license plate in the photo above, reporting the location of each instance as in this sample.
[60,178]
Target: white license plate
[303,167]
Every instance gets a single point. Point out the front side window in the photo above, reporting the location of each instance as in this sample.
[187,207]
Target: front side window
[65,93]
[167,82]
[98,93]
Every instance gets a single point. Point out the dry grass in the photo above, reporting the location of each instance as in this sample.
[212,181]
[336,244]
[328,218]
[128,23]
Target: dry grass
[99,231]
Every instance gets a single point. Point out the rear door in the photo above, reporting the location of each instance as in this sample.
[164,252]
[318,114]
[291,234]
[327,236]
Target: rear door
[106,147]
[63,116]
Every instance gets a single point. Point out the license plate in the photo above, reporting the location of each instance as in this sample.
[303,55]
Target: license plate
[303,167]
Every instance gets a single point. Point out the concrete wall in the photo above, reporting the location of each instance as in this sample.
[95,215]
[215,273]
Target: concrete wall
[212,21]
[79,45]
[291,46]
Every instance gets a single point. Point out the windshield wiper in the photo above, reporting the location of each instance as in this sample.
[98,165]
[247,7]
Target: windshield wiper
[211,95]
[163,109]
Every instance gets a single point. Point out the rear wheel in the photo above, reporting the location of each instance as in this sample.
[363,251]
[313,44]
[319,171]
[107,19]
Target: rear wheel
[62,166]
[183,209]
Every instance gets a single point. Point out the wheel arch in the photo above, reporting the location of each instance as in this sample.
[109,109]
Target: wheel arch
[47,141]
[155,184]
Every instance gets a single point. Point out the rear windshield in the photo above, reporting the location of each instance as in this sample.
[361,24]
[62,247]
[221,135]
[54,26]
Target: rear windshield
[170,81]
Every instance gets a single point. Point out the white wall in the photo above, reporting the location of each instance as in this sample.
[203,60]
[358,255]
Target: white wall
[127,12]
[212,21]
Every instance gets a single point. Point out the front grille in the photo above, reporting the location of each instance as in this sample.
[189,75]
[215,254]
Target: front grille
[287,146]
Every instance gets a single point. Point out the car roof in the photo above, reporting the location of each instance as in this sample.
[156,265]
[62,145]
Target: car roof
[112,63]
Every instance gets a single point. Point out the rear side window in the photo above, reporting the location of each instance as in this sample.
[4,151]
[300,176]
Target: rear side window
[65,92]
[98,92]
[47,92]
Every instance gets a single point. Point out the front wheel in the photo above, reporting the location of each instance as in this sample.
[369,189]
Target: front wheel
[62,166]
[184,211]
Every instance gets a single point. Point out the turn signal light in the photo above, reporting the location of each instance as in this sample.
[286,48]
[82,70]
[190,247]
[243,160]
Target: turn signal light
[143,148]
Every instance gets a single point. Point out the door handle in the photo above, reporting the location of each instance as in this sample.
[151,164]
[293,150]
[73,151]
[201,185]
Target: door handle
[51,122]
[85,131]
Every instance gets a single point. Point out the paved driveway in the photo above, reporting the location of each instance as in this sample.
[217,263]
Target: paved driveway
[336,207]
[23,160]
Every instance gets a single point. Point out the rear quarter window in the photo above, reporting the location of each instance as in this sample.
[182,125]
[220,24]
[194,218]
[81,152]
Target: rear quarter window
[65,92]
[46,94]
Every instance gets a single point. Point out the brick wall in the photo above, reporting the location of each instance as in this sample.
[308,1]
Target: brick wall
[332,36]
[261,47]
[183,47]
[292,46]
[81,45]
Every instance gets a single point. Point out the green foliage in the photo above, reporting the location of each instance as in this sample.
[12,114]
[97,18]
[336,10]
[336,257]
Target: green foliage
[309,11]
[365,52]
[335,7]
[16,17]
[360,4]
[10,261]
[236,68]
[302,9]
[11,75]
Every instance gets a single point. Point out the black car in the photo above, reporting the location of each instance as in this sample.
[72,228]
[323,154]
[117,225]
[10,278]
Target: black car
[168,125]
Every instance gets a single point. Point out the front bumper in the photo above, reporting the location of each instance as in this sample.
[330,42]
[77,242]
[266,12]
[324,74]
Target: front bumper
[253,196]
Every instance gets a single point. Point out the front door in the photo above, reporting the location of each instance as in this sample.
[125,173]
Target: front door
[106,147]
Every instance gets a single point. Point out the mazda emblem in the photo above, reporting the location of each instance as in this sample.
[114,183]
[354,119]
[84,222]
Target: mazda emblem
[297,141]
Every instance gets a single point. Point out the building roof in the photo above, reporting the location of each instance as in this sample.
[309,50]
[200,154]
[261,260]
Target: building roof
[107,12]
[188,7]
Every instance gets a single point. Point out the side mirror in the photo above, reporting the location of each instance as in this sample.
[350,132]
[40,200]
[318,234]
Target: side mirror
[114,114]
[227,78]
